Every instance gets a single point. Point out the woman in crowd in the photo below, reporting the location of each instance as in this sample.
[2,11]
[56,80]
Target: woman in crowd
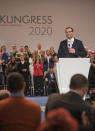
[91,76]
[12,65]
[38,76]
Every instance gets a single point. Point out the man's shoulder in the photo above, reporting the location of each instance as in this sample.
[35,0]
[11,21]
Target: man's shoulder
[55,97]
[64,41]
[30,103]
[18,101]
[77,40]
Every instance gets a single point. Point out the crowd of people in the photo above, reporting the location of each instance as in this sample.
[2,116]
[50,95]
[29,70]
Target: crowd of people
[34,66]
[22,69]
[63,112]
[37,67]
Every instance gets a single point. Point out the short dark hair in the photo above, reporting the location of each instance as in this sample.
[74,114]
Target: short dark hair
[69,28]
[26,46]
[78,81]
[15,82]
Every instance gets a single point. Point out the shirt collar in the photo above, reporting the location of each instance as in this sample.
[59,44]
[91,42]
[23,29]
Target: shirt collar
[74,91]
[17,94]
[71,39]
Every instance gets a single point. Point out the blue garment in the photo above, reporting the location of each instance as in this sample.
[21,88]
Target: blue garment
[17,94]
[5,57]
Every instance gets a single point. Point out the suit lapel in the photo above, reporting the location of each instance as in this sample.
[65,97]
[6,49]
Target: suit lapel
[74,43]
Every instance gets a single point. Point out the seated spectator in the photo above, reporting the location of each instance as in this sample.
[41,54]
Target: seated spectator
[59,120]
[51,83]
[16,112]
[72,100]
[4,94]
[48,62]
[5,57]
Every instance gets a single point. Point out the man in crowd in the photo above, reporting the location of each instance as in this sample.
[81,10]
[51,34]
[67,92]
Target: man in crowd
[73,100]
[16,112]
[71,47]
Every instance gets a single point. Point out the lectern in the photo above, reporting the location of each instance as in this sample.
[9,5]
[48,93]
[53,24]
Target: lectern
[67,67]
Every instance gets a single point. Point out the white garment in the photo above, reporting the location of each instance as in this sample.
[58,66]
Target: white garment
[1,66]
[70,42]
[31,69]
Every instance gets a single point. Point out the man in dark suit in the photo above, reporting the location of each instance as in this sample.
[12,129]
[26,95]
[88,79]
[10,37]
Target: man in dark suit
[71,47]
[73,100]
[50,81]
[16,112]
[48,61]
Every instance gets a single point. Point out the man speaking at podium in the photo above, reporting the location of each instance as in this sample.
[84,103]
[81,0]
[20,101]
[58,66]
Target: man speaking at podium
[71,47]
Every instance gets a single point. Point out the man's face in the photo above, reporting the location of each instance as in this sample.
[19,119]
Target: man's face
[48,52]
[39,46]
[22,57]
[69,33]
[14,47]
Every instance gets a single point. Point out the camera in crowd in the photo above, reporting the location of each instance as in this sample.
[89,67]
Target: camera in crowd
[90,97]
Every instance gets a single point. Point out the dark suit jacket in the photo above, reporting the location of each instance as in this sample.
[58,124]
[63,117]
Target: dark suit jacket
[91,77]
[48,75]
[63,51]
[46,65]
[71,101]
[19,114]
[24,66]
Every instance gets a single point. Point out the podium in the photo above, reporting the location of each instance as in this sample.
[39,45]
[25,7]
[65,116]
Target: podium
[67,67]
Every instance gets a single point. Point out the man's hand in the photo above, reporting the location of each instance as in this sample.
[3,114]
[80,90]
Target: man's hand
[72,50]
[46,79]
[24,70]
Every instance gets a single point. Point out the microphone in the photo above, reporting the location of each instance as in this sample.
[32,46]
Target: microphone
[70,44]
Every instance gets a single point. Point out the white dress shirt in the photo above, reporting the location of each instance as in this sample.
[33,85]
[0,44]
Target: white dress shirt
[70,42]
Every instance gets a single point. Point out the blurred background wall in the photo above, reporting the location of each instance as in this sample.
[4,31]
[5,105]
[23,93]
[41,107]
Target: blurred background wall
[44,21]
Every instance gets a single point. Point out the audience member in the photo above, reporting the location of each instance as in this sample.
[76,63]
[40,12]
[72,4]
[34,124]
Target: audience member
[91,75]
[14,51]
[5,54]
[38,76]
[23,68]
[1,72]
[16,112]
[39,52]
[4,94]
[73,100]
[48,62]
[51,83]
[59,120]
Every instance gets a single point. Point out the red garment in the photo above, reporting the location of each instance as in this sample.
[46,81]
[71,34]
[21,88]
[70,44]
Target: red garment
[19,114]
[38,71]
